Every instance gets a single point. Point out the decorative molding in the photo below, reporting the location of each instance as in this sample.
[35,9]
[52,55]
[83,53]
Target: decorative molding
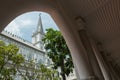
[80,22]
[90,78]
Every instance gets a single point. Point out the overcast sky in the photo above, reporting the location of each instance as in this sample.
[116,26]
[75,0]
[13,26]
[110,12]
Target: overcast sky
[26,23]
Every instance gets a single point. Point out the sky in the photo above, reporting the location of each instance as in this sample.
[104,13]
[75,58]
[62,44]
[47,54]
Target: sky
[24,25]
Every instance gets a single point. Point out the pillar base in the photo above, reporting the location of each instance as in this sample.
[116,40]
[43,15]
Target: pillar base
[90,78]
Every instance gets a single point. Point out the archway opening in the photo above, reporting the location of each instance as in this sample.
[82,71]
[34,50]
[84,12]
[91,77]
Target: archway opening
[23,31]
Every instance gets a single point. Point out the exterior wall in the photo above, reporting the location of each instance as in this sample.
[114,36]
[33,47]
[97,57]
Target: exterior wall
[33,40]
[27,50]
[37,40]
[38,35]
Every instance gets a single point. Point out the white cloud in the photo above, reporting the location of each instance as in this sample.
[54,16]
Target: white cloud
[14,28]
[26,22]
[17,25]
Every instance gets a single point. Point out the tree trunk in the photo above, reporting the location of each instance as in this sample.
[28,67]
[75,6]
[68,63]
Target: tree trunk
[63,76]
[62,69]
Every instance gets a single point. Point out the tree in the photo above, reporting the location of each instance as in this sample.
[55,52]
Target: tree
[12,63]
[30,70]
[48,74]
[9,61]
[58,51]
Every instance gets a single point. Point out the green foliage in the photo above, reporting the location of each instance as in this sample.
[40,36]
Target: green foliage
[58,51]
[28,70]
[32,71]
[12,62]
[9,61]
[47,74]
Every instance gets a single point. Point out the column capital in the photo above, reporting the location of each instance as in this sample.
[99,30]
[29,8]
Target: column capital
[80,22]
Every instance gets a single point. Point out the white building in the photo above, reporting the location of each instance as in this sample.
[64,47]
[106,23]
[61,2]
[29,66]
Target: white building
[31,51]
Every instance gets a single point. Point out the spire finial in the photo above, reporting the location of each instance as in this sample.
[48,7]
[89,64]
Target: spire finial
[39,25]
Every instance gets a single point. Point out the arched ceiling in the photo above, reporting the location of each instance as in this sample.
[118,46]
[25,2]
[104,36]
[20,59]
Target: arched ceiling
[102,18]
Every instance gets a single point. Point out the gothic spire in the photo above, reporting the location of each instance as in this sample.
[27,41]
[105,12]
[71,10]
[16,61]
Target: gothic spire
[39,25]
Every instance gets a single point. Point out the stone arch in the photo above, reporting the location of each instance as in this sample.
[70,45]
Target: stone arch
[16,8]
[12,9]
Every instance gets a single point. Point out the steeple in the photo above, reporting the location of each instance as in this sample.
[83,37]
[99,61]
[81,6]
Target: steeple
[39,25]
[38,35]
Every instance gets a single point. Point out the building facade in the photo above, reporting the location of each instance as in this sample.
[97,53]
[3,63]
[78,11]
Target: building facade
[27,49]
[31,51]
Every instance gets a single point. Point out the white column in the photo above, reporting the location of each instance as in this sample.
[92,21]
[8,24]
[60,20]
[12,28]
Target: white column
[76,72]
[104,68]
[81,58]
[81,62]
[86,44]
[90,53]
[78,52]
